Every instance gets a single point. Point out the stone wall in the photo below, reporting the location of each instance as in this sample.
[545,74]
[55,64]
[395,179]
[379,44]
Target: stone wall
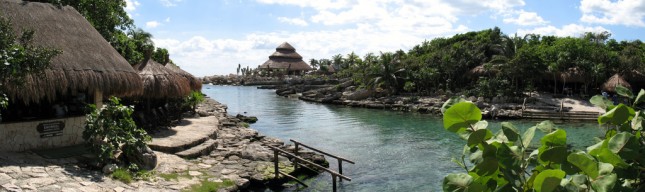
[41,134]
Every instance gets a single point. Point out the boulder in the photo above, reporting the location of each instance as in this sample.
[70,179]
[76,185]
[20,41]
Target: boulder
[144,157]
[247,119]
[110,168]
[360,94]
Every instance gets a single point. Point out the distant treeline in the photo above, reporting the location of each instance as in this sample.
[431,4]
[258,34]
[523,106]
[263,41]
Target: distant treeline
[490,63]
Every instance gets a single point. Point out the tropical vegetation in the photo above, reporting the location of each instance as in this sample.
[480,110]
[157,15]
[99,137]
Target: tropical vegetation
[490,63]
[504,161]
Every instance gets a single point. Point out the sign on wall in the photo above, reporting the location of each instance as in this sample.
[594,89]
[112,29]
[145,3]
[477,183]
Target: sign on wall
[51,129]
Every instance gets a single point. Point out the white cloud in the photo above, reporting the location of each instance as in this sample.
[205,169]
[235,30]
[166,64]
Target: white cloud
[571,30]
[293,21]
[131,5]
[152,24]
[167,20]
[169,3]
[623,12]
[526,19]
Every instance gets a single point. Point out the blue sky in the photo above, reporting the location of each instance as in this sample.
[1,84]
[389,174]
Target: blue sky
[210,37]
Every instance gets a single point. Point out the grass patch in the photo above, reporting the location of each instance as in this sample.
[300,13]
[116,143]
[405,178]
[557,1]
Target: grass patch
[170,176]
[122,175]
[208,186]
[244,124]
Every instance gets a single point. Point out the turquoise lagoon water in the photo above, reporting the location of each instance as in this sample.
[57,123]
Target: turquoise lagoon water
[393,151]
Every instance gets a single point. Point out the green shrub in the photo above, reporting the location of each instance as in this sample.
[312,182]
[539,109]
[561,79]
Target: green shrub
[501,161]
[110,128]
[194,99]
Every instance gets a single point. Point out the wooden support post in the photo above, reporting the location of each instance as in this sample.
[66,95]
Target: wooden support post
[295,161]
[275,163]
[340,167]
[333,180]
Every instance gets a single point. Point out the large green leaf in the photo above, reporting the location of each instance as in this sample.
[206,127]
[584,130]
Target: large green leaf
[546,126]
[479,136]
[604,183]
[553,155]
[576,183]
[510,131]
[637,122]
[483,124]
[450,102]
[617,116]
[556,138]
[618,141]
[460,116]
[487,167]
[527,137]
[603,154]
[600,101]
[548,180]
[624,91]
[457,182]
[584,162]
[639,97]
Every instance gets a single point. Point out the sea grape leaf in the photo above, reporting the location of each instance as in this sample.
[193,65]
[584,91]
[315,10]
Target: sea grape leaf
[556,138]
[600,101]
[603,154]
[483,124]
[584,162]
[605,168]
[487,167]
[604,183]
[457,182]
[450,102]
[479,136]
[553,155]
[546,126]
[548,180]
[527,137]
[637,122]
[624,91]
[618,141]
[639,97]
[460,116]
[617,116]
[510,131]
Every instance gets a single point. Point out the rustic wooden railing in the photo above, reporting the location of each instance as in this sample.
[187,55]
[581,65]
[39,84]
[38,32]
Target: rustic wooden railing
[299,161]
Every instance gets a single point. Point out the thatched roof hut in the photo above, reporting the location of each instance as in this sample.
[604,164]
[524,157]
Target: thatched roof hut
[195,83]
[481,70]
[160,82]
[573,75]
[88,63]
[285,57]
[611,83]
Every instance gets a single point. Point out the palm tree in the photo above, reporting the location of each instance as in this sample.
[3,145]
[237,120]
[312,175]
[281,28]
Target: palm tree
[388,73]
[314,63]
[141,38]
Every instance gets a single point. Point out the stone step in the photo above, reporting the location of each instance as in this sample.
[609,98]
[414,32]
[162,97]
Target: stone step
[577,115]
[204,148]
[185,145]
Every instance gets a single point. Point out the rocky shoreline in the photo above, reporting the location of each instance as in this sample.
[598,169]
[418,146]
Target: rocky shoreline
[240,157]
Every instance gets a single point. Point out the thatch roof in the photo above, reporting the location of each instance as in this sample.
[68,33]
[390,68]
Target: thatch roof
[87,62]
[481,70]
[286,57]
[160,82]
[195,83]
[611,83]
[572,75]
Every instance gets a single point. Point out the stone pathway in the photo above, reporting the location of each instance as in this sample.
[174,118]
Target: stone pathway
[240,156]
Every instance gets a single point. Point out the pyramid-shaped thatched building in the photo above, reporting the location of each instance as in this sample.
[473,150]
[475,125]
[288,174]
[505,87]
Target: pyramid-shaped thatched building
[285,59]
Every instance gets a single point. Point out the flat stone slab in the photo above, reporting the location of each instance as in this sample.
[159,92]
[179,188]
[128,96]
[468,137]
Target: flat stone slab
[189,133]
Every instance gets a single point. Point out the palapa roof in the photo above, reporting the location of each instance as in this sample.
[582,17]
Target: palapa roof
[87,62]
[481,70]
[160,82]
[611,83]
[286,57]
[195,83]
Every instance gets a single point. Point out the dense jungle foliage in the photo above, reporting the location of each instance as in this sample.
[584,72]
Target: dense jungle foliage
[491,63]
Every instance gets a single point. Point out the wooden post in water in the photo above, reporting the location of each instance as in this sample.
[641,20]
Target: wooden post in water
[333,180]
[295,161]
[275,163]
[340,167]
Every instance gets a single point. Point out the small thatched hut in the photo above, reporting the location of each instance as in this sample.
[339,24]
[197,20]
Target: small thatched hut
[481,70]
[285,58]
[87,70]
[611,83]
[160,82]
[88,63]
[195,83]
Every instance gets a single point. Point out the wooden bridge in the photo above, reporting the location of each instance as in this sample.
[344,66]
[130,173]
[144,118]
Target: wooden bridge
[299,161]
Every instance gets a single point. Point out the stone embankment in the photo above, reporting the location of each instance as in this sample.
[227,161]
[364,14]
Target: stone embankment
[215,148]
